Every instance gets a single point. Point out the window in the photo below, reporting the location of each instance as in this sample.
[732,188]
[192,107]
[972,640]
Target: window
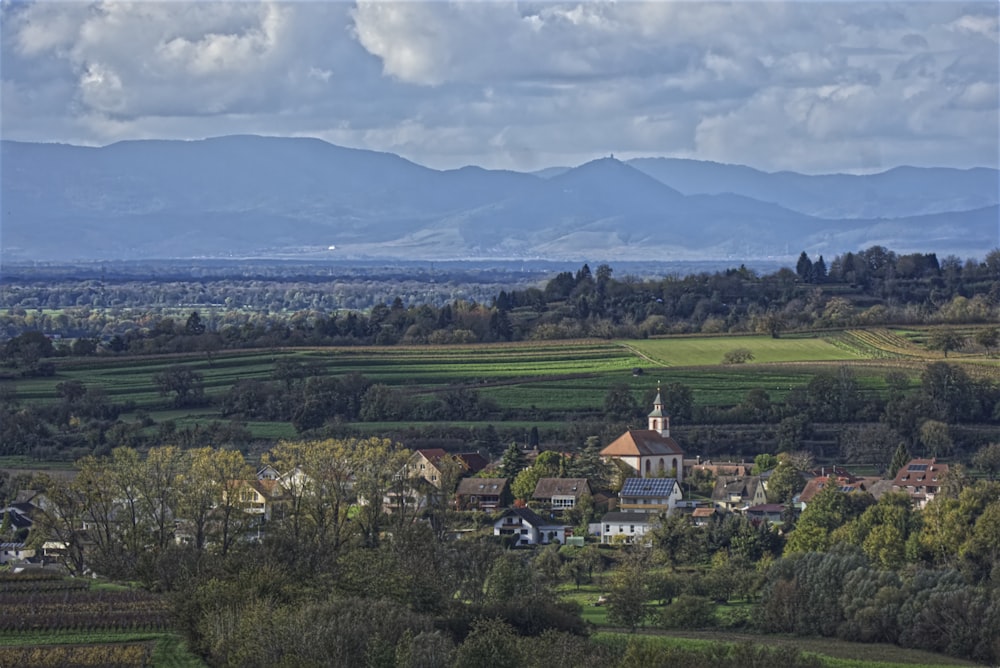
[607,528]
[631,528]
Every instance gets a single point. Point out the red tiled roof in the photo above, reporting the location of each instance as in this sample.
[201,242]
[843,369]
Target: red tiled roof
[642,443]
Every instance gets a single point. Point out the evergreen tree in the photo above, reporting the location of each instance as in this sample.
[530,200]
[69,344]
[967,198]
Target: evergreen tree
[819,271]
[512,462]
[804,267]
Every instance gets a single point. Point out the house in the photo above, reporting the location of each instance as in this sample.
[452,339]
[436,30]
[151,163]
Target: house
[735,492]
[772,513]
[259,497]
[19,516]
[482,494]
[429,464]
[268,472]
[629,525]
[649,452]
[561,493]
[845,483]
[11,552]
[921,479]
[652,495]
[473,462]
[528,528]
[698,465]
[702,516]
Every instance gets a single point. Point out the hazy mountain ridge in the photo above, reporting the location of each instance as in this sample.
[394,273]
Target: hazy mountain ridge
[279,197]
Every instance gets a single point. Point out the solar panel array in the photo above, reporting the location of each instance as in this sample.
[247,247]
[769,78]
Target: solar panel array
[917,467]
[653,487]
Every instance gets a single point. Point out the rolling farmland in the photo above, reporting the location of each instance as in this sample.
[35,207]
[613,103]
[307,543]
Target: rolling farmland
[547,379]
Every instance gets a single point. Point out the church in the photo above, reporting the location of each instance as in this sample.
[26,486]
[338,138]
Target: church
[651,453]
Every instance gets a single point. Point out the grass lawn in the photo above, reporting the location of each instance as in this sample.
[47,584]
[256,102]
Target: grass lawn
[703,351]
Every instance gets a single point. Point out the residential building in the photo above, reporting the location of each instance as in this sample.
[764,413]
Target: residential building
[482,494]
[528,528]
[772,513]
[921,479]
[561,493]
[845,483]
[649,495]
[630,526]
[733,493]
[12,552]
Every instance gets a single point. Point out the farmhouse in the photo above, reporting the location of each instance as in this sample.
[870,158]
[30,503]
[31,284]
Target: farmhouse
[649,452]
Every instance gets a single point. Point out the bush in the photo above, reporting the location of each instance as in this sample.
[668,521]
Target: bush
[737,356]
[688,612]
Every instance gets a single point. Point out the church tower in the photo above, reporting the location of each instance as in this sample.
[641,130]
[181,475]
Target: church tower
[658,420]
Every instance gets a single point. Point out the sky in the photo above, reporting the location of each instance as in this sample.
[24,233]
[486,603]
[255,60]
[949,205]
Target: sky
[814,87]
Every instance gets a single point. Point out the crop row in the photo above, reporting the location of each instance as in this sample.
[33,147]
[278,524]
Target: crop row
[18,619]
[882,342]
[38,586]
[29,576]
[58,656]
[122,598]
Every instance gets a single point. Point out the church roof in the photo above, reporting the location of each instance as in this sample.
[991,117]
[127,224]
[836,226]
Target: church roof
[642,443]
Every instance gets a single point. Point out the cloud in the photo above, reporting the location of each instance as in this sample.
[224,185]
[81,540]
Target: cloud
[797,85]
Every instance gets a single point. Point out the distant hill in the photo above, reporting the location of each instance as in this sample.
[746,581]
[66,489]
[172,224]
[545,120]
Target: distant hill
[250,196]
[896,193]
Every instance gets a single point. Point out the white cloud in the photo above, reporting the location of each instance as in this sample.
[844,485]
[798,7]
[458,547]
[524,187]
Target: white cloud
[798,85]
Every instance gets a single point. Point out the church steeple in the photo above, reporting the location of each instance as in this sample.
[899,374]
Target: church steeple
[658,420]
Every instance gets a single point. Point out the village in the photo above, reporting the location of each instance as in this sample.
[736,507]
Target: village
[643,476]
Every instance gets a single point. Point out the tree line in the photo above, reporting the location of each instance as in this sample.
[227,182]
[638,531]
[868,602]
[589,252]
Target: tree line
[871,287]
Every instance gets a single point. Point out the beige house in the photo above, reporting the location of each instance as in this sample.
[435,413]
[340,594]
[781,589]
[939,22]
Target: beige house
[649,452]
[259,497]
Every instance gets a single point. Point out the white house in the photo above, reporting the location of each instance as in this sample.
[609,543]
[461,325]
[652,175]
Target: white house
[649,495]
[631,525]
[10,552]
[528,527]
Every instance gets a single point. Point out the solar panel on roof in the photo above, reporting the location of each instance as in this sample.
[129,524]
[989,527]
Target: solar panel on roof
[917,467]
[656,487]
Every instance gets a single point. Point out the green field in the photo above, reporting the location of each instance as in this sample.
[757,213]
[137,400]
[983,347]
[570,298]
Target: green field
[704,351]
[544,378]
